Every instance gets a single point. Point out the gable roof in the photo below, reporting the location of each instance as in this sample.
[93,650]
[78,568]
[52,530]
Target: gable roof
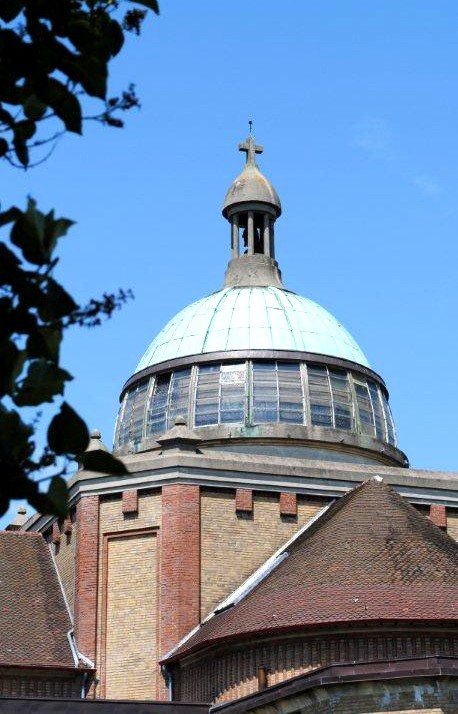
[34,620]
[370,557]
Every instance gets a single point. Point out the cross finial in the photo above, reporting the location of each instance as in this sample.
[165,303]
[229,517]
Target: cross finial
[250,148]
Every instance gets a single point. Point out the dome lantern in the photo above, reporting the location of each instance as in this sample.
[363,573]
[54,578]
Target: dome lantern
[252,206]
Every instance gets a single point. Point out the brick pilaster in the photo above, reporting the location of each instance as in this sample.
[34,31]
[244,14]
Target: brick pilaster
[180,563]
[288,504]
[438,515]
[130,501]
[244,500]
[87,534]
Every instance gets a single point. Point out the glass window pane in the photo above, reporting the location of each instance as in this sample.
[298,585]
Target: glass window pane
[341,399]
[220,394]
[320,396]
[389,421]
[265,393]
[158,405]
[363,401]
[291,398]
[178,396]
[378,411]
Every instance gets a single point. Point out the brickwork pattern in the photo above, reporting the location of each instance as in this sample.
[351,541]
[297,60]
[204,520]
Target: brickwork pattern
[130,501]
[288,504]
[112,520]
[86,570]
[26,684]
[180,563]
[131,618]
[232,547]
[225,675]
[452,524]
[64,555]
[244,500]
[438,515]
[55,532]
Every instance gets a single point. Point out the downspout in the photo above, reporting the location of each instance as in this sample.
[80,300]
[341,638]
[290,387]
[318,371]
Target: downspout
[166,673]
[76,654]
[77,658]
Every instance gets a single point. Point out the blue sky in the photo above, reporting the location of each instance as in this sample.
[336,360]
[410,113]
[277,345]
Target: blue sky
[356,105]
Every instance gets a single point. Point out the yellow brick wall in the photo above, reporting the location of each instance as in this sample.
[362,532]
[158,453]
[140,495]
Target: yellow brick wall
[131,562]
[233,545]
[131,618]
[64,554]
[452,523]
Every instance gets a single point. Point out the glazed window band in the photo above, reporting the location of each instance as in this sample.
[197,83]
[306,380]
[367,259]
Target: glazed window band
[255,392]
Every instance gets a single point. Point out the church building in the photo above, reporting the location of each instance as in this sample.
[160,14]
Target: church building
[269,549]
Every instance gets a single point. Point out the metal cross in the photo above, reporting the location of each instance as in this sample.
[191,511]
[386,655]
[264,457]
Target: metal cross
[250,148]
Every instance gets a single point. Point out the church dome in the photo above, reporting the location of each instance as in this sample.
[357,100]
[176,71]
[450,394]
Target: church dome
[255,365]
[252,318]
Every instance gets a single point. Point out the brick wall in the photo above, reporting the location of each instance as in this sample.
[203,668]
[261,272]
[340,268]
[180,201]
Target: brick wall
[234,544]
[128,583]
[226,674]
[33,683]
[86,570]
[65,554]
[131,617]
[180,563]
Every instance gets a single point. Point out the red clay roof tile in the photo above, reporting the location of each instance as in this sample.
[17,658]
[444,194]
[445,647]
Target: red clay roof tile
[34,620]
[371,557]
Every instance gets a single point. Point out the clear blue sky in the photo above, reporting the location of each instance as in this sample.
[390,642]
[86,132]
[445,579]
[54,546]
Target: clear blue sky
[356,105]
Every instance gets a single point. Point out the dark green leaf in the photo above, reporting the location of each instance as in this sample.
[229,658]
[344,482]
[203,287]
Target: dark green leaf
[14,436]
[34,108]
[67,432]
[60,227]
[116,37]
[92,74]
[12,214]
[9,264]
[44,342]
[150,4]
[58,494]
[44,505]
[20,147]
[103,462]
[65,105]
[58,302]
[9,9]
[4,504]
[43,381]
[28,234]
[12,361]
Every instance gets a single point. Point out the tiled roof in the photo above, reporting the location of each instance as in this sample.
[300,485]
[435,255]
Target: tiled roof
[371,557]
[34,620]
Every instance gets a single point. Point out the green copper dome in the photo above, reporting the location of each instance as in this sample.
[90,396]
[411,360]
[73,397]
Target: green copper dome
[252,318]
